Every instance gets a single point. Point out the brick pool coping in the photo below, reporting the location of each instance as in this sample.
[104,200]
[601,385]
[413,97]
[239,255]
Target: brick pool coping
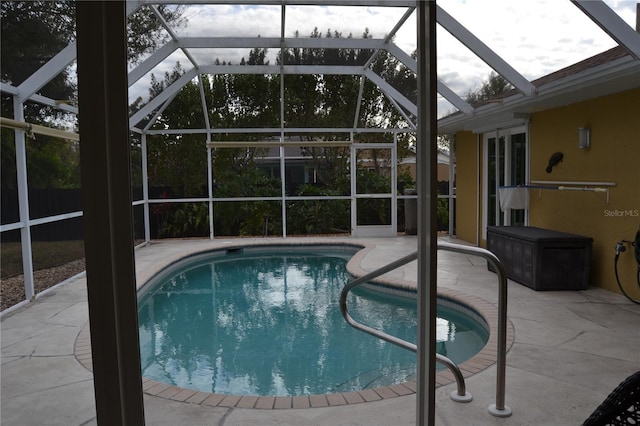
[479,362]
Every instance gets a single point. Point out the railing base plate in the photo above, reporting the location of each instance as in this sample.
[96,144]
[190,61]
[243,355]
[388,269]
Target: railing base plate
[467,397]
[505,412]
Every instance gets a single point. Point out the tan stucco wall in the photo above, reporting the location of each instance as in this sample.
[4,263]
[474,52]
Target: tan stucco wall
[466,186]
[614,156]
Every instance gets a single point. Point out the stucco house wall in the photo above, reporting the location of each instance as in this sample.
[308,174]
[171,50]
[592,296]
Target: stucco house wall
[467,189]
[614,156]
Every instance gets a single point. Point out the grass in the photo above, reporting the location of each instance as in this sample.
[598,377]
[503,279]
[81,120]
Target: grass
[46,254]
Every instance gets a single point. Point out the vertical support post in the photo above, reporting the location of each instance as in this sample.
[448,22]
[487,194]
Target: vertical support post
[145,188]
[283,188]
[106,183]
[23,201]
[210,185]
[394,185]
[426,160]
[283,174]
[452,196]
[353,165]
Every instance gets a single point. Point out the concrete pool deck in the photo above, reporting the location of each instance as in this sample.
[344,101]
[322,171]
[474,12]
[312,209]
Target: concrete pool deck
[570,350]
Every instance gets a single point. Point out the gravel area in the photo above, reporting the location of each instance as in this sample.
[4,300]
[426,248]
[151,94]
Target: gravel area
[13,288]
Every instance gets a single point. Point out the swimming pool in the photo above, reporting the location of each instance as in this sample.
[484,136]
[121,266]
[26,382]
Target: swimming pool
[266,321]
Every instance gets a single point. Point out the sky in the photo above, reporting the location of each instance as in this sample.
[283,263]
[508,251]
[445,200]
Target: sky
[536,37]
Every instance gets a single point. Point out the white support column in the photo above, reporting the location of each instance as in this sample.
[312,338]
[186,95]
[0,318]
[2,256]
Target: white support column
[452,196]
[145,189]
[205,111]
[394,184]
[210,186]
[283,175]
[283,189]
[23,201]
[352,178]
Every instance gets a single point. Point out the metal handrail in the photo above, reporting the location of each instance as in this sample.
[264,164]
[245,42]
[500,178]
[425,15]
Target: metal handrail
[461,395]
[499,409]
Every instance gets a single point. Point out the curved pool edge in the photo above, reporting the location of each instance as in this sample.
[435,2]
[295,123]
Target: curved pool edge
[478,363]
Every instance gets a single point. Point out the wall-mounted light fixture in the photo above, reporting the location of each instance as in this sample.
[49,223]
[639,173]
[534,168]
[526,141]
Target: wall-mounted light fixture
[584,137]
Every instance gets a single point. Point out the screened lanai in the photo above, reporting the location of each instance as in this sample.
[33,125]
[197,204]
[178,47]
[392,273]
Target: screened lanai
[208,106]
[218,123]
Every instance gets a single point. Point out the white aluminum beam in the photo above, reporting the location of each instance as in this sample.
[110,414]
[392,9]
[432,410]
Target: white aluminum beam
[23,201]
[443,89]
[133,6]
[11,226]
[276,131]
[492,59]
[8,88]
[172,33]
[399,24]
[402,112]
[12,90]
[47,72]
[358,103]
[145,189]
[158,112]
[276,42]
[56,218]
[391,91]
[203,100]
[162,97]
[392,33]
[402,56]
[452,97]
[612,24]
[370,3]
[148,64]
[52,103]
[286,69]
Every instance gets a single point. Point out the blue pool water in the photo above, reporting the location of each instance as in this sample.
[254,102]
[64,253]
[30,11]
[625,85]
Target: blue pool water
[268,323]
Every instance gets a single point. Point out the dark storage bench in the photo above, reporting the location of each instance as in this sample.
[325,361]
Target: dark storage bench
[542,259]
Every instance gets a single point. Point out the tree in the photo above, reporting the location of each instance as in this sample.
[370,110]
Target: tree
[492,88]
[32,33]
[178,162]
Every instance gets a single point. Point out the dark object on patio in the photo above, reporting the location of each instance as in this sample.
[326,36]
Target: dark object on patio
[540,258]
[622,406]
[555,158]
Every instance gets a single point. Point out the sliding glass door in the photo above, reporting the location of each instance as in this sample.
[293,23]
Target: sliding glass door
[505,164]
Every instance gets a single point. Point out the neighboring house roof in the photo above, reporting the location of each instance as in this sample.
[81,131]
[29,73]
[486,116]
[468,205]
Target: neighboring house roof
[442,159]
[606,73]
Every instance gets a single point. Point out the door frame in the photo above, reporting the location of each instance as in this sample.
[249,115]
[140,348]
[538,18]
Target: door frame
[366,231]
[506,133]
